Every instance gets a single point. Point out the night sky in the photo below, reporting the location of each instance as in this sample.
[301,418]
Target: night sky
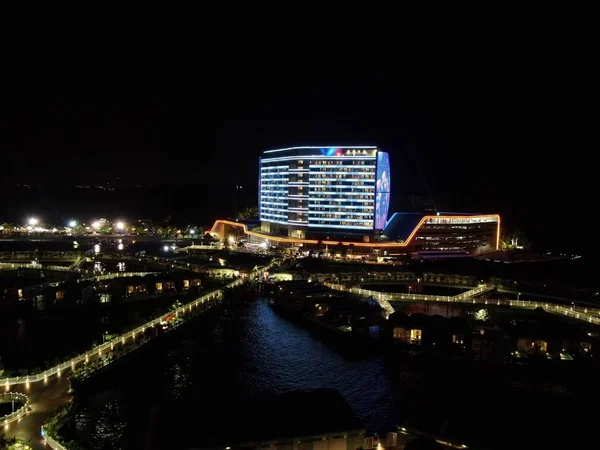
[501,101]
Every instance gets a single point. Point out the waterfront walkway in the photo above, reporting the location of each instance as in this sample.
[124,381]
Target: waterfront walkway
[47,390]
[584,314]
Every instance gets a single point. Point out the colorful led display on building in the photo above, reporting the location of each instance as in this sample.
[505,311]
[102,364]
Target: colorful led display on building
[382,189]
[332,151]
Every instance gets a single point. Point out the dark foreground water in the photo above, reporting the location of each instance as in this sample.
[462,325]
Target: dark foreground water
[176,395]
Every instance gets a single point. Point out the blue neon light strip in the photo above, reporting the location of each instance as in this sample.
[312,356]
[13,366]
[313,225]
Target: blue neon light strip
[327,170]
[343,180]
[281,216]
[339,186]
[366,147]
[350,227]
[297,158]
[273,221]
[312,205]
[276,208]
[367,217]
[340,193]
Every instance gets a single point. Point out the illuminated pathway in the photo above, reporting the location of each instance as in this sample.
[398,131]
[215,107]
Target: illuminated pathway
[584,314]
[218,228]
[47,389]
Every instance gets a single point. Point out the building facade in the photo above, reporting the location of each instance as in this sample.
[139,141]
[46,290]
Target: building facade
[445,233]
[307,191]
[315,197]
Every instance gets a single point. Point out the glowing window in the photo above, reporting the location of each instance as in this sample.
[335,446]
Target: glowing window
[415,336]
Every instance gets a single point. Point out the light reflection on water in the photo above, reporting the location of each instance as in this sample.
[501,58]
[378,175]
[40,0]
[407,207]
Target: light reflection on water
[103,428]
[256,351]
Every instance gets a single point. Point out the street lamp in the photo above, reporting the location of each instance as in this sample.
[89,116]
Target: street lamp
[120,225]
[96,224]
[33,221]
[73,223]
[192,231]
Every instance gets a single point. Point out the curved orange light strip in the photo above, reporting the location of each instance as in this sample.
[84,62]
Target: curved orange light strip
[355,244]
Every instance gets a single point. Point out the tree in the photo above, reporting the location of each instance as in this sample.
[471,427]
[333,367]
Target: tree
[176,305]
[515,240]
[250,213]
[5,442]
[78,229]
[6,227]
[136,229]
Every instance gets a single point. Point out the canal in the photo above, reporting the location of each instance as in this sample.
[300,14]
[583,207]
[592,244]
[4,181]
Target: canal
[177,393]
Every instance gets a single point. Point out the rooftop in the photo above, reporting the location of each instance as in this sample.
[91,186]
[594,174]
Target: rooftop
[293,414]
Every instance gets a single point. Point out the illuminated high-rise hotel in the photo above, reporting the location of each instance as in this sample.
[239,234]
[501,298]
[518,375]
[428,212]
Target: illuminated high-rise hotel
[307,190]
[315,197]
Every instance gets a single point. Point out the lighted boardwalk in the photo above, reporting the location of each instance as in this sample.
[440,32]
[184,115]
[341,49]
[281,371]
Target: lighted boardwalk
[584,314]
[47,390]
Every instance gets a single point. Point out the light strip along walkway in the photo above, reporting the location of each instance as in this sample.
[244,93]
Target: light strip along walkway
[584,314]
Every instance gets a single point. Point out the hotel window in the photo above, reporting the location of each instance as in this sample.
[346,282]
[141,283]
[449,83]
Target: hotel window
[415,336]
[458,339]
[401,334]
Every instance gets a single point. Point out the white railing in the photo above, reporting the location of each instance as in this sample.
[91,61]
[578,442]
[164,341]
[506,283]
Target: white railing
[20,265]
[110,276]
[11,397]
[109,346]
[481,289]
[53,444]
[122,338]
[589,315]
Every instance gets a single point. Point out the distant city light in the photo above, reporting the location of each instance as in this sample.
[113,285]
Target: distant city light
[192,231]
[166,248]
[97,248]
[73,223]
[96,224]
[231,239]
[120,246]
[33,221]
[120,225]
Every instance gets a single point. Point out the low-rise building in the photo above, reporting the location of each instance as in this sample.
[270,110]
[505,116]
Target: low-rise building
[299,420]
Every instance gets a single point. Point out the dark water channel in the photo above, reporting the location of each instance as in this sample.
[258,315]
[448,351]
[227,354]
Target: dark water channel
[176,394]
